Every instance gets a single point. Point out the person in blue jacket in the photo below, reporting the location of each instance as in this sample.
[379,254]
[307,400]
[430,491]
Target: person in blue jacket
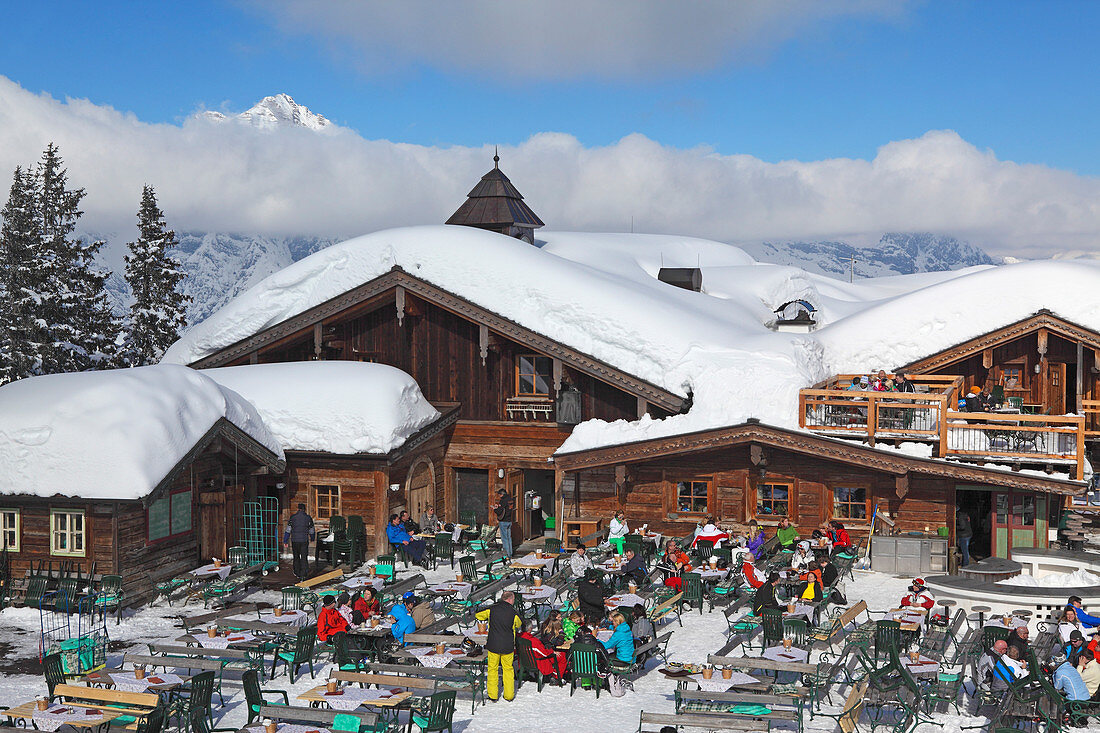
[1085,618]
[398,536]
[621,642]
[402,618]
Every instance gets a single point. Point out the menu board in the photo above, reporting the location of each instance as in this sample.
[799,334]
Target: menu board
[181,512]
[157,521]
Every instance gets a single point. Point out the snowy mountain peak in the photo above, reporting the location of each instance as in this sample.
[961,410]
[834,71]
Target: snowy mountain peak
[279,110]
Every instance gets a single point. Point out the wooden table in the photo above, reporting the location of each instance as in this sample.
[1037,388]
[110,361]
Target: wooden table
[27,710]
[103,677]
[317,694]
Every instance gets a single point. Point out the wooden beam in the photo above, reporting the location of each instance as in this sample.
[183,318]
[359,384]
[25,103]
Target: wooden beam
[1080,377]
[901,485]
[987,358]
[1042,339]
[643,407]
[318,330]
[483,341]
[254,357]
[400,304]
[557,374]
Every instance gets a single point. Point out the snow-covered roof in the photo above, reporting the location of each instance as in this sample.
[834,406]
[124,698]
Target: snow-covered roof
[599,294]
[111,434]
[335,406]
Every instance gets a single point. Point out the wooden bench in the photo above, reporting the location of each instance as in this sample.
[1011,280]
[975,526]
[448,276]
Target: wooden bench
[135,704]
[259,626]
[315,716]
[465,680]
[331,576]
[821,637]
[781,707]
[401,587]
[657,613]
[706,721]
[202,620]
[761,663]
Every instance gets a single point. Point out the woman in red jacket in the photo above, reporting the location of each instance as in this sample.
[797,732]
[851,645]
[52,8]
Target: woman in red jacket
[549,662]
[330,621]
[839,538]
[367,603]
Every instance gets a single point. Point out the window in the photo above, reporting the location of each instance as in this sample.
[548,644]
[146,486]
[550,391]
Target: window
[169,516]
[773,499]
[850,502]
[691,496]
[9,530]
[1013,377]
[67,533]
[326,500]
[533,375]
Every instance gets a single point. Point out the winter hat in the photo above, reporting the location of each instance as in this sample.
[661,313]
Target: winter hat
[918,582]
[805,545]
[1076,635]
[1058,658]
[409,596]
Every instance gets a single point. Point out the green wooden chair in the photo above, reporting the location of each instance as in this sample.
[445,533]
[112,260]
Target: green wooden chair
[796,629]
[238,556]
[109,596]
[197,703]
[772,623]
[691,585]
[355,526]
[470,572]
[295,598]
[440,713]
[385,567]
[153,722]
[199,723]
[342,551]
[887,637]
[54,669]
[703,550]
[583,668]
[444,549]
[302,653]
[528,666]
[166,588]
[338,526]
[254,695]
[345,661]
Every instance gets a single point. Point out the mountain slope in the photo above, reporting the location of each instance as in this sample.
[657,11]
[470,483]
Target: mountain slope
[279,110]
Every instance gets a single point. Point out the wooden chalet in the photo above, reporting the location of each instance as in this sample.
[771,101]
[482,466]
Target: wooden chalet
[187,516]
[518,395]
[755,471]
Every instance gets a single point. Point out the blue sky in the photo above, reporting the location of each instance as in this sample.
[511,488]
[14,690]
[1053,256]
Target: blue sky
[1018,78]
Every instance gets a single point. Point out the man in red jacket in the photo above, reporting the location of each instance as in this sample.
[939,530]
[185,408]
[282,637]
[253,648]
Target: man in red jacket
[330,621]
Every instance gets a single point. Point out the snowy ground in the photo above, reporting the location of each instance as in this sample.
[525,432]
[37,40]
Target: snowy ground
[551,710]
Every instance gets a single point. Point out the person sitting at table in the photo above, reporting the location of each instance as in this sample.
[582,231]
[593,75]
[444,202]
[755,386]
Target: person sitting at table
[709,531]
[1012,660]
[1018,638]
[1088,620]
[751,575]
[642,628]
[330,621]
[616,530]
[765,596]
[839,538]
[918,596]
[787,534]
[400,537]
[429,522]
[366,602]
[405,520]
[343,605]
[881,383]
[401,618]
[802,556]
[811,588]
[1075,648]
[550,662]
[422,613]
[570,624]
[829,576]
[902,383]
[676,561]
[591,596]
[552,632]
[621,642]
[579,562]
[1068,623]
[634,568]
[755,538]
[1067,680]
[992,673]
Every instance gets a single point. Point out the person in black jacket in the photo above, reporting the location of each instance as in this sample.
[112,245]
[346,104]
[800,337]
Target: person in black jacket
[591,594]
[634,568]
[963,532]
[504,511]
[299,533]
[765,596]
[829,575]
[504,624]
[1018,639]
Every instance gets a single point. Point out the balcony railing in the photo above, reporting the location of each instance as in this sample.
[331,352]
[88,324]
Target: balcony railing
[929,415]
[529,408]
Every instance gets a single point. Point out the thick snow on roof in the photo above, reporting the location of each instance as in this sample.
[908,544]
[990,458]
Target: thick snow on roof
[110,434]
[599,294]
[334,406]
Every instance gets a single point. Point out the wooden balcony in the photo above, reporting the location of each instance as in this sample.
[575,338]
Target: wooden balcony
[930,416]
[529,409]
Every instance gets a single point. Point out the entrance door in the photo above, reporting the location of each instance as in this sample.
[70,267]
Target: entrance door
[978,505]
[1019,520]
[212,524]
[540,484]
[1055,397]
[421,489]
[514,485]
[472,493]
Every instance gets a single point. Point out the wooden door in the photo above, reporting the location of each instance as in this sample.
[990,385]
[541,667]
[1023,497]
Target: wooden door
[421,489]
[1055,388]
[514,485]
[212,525]
[1019,520]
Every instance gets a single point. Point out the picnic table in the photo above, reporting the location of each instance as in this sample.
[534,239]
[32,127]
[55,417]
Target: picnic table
[711,575]
[1014,621]
[532,562]
[910,619]
[209,571]
[780,654]
[126,681]
[366,629]
[429,657]
[287,728]
[452,588]
[57,715]
[717,683]
[237,639]
[349,697]
[800,609]
[289,618]
[477,638]
[923,667]
[542,593]
[624,599]
[363,581]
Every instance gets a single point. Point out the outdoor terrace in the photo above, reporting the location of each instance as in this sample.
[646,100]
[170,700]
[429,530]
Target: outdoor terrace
[931,415]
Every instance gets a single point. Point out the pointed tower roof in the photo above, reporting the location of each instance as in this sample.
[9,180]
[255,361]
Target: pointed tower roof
[494,203]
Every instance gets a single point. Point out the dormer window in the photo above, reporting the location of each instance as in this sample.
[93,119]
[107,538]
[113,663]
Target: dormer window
[534,375]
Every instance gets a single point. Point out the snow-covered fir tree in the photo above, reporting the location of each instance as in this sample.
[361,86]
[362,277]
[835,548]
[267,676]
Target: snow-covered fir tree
[157,315]
[22,283]
[78,314]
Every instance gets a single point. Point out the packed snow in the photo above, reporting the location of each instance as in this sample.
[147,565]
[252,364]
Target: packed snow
[1076,579]
[111,434]
[599,294]
[334,406]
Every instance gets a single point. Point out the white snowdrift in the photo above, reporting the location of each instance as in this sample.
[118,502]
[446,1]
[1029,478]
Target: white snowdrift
[1076,579]
[111,434]
[599,294]
[334,406]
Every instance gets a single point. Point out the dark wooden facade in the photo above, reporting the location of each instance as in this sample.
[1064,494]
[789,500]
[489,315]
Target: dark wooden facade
[643,480]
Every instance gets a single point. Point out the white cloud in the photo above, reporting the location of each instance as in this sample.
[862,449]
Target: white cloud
[235,178]
[528,39]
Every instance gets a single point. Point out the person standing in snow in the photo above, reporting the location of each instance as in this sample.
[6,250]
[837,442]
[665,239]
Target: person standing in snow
[504,622]
[299,533]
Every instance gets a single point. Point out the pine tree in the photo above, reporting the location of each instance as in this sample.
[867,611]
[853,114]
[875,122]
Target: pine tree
[157,314]
[22,283]
[78,315]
